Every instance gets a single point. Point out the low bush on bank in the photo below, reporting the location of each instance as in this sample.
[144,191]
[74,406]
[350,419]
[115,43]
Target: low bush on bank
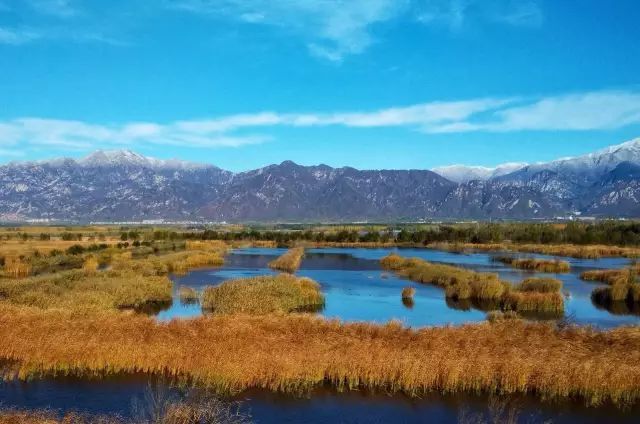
[282,293]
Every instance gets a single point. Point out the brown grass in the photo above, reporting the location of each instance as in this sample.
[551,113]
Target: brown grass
[288,262]
[297,353]
[281,294]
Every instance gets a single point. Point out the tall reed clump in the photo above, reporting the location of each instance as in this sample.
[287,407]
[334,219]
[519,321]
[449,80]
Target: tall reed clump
[534,264]
[16,267]
[297,353]
[484,288]
[613,276]
[283,293]
[90,265]
[289,261]
[623,292]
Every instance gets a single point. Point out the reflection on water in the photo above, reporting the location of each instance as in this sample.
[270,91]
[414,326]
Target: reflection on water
[356,289]
[408,302]
[621,307]
[119,395]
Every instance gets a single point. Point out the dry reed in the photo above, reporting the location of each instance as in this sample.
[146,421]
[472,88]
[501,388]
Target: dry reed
[483,288]
[289,261]
[297,353]
[534,264]
[282,293]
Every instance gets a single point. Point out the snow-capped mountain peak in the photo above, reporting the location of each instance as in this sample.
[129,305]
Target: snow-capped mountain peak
[465,173]
[129,158]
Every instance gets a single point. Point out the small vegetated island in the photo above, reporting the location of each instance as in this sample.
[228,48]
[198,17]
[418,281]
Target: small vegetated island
[622,295]
[280,294]
[288,262]
[534,295]
[535,264]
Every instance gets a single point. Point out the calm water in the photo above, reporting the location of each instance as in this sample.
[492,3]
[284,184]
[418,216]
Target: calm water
[357,289]
[119,395]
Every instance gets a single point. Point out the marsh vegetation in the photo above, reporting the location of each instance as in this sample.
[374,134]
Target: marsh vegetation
[279,294]
[536,264]
[533,295]
[288,262]
[228,353]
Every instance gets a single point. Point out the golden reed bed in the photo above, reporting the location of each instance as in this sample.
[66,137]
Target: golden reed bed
[295,353]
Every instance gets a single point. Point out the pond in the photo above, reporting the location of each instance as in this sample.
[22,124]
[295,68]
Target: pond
[357,289]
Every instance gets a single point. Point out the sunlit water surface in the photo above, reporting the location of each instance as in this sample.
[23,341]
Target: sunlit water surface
[357,289]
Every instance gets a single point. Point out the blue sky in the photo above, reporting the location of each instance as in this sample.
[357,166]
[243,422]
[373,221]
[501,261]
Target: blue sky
[365,83]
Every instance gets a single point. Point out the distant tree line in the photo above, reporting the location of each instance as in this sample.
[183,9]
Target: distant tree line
[608,232]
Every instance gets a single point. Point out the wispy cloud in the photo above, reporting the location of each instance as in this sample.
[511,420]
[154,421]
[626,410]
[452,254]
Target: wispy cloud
[54,20]
[333,28]
[329,29]
[598,110]
[78,135]
[17,37]
[59,8]
[456,14]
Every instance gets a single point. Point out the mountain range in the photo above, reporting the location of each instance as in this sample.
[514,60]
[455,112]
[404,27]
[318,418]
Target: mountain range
[123,185]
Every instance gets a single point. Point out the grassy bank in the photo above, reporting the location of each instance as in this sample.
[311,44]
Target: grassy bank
[461,284]
[535,264]
[288,262]
[296,353]
[280,294]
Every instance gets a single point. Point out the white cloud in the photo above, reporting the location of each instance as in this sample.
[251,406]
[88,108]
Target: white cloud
[598,110]
[456,14]
[334,28]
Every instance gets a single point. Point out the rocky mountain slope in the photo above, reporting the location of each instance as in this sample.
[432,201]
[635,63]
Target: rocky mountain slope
[123,185]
